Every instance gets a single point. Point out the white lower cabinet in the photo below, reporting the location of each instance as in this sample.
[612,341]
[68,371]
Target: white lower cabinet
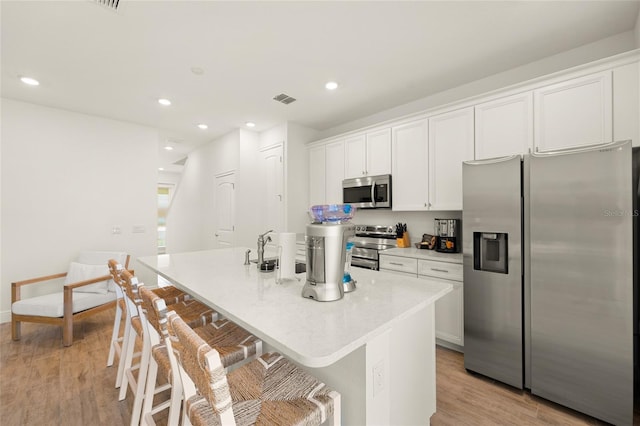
[450,308]
[399,264]
[450,315]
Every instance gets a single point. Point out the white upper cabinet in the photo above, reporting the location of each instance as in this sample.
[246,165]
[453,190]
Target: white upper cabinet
[410,165]
[379,152]
[626,103]
[368,154]
[504,126]
[450,143]
[326,172]
[574,113]
[355,151]
[317,175]
[334,171]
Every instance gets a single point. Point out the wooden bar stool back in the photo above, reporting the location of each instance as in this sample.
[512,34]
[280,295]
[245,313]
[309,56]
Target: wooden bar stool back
[268,390]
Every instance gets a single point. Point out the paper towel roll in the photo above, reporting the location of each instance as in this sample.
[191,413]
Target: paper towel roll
[287,249]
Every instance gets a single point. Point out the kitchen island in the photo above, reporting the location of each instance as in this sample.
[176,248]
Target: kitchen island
[376,346]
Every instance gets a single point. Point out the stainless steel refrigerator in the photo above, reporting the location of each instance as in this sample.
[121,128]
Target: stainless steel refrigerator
[550,241]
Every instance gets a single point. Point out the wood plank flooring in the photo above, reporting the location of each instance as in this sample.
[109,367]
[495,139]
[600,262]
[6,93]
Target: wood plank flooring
[43,383]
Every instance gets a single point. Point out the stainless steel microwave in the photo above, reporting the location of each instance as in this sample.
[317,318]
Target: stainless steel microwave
[370,192]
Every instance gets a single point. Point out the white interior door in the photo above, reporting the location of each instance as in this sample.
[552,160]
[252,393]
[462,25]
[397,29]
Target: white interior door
[225,203]
[273,187]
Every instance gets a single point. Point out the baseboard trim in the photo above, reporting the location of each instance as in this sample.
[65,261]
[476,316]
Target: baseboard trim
[449,345]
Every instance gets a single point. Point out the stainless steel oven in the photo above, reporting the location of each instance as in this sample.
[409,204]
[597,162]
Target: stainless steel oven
[370,192]
[368,242]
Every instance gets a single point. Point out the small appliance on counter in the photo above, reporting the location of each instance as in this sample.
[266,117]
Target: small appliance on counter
[348,283]
[447,231]
[429,242]
[326,245]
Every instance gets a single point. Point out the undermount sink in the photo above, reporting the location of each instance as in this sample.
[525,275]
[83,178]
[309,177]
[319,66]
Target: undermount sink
[270,263]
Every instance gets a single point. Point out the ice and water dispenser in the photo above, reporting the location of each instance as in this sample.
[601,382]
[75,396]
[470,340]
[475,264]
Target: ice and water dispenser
[490,252]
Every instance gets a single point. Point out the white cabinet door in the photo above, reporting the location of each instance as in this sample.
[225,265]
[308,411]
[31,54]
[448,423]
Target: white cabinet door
[450,143]
[272,185]
[409,170]
[504,126]
[626,103]
[317,175]
[574,113]
[378,153]
[355,156]
[450,315]
[225,202]
[334,171]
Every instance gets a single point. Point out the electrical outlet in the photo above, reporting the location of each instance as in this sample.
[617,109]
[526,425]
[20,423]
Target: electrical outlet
[378,378]
[116,230]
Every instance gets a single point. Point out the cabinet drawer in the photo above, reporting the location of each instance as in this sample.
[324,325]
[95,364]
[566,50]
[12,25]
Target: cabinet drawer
[450,271]
[401,264]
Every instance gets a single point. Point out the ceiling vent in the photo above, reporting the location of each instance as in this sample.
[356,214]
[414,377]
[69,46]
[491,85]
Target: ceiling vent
[110,4]
[284,98]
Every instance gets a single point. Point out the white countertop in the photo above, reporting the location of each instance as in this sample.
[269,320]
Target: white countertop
[315,334]
[424,254]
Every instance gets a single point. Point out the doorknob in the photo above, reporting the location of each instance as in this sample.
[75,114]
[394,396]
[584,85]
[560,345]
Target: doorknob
[217,235]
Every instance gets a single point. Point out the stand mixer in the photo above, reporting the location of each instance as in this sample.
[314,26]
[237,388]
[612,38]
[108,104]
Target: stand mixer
[326,245]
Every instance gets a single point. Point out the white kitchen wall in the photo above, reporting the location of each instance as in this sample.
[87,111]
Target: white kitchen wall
[297,176]
[597,50]
[67,180]
[191,221]
[247,204]
[191,218]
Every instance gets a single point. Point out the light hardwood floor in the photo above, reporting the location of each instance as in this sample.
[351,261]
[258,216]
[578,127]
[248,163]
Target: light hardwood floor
[43,383]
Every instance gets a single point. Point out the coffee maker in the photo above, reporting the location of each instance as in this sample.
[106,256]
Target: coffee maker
[447,231]
[326,245]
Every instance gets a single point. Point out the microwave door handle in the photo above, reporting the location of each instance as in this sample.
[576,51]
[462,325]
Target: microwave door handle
[373,193]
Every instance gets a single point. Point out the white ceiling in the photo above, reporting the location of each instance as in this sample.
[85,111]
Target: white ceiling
[383,54]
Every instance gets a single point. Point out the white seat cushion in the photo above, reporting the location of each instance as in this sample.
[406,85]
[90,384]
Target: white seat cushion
[80,272]
[101,258]
[52,305]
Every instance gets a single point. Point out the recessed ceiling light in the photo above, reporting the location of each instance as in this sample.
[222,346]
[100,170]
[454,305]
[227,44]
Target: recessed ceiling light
[203,126]
[30,81]
[163,101]
[332,85]
[250,124]
[161,168]
[168,148]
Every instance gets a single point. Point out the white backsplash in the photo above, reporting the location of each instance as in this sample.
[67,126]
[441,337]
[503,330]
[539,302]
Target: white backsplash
[418,223]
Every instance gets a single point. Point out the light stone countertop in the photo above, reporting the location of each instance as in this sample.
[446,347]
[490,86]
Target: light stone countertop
[424,254]
[315,334]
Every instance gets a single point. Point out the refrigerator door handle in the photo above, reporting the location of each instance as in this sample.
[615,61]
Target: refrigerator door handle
[602,147]
[494,160]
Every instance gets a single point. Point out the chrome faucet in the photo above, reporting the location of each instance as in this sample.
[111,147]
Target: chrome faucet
[261,242]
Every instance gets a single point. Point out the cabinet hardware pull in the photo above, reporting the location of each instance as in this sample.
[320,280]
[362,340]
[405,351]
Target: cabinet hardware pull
[439,270]
[397,264]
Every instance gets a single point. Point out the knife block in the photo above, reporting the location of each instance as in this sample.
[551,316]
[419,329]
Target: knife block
[404,242]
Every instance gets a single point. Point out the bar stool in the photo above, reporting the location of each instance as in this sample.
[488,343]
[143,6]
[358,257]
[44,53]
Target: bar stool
[119,337]
[194,312]
[234,343]
[268,390]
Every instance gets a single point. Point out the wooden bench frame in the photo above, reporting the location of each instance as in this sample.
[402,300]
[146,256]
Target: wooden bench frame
[68,318]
